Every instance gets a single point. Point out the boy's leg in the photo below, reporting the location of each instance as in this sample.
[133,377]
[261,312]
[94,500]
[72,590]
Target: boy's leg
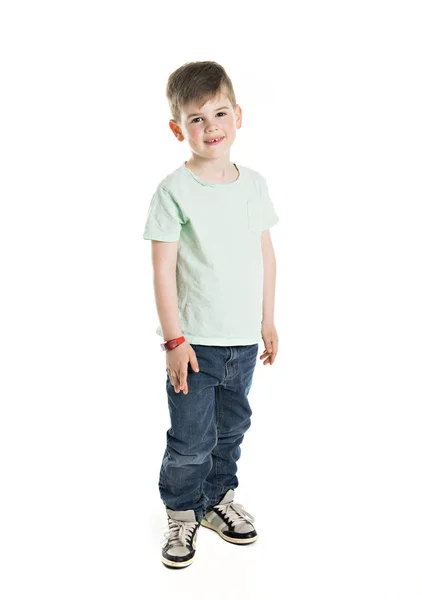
[192,436]
[233,419]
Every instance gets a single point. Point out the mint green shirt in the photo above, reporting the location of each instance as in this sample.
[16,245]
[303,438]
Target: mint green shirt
[219,270]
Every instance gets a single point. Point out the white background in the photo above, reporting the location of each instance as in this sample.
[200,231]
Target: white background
[331,467]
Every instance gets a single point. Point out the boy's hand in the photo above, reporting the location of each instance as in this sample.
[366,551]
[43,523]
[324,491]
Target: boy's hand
[177,366]
[270,337]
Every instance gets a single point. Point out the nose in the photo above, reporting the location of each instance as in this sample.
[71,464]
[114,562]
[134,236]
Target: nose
[211,126]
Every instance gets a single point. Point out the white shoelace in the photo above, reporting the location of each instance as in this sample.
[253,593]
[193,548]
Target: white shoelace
[235,512]
[178,530]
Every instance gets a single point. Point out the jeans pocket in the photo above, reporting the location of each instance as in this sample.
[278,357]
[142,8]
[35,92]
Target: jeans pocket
[254,215]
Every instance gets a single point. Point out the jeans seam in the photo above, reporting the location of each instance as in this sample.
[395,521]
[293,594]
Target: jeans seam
[218,420]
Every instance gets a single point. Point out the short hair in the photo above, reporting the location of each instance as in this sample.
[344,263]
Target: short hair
[197,82]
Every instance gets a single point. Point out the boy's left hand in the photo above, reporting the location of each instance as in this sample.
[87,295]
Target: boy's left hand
[270,337]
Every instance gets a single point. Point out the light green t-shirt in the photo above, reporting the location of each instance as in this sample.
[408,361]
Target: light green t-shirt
[219,270]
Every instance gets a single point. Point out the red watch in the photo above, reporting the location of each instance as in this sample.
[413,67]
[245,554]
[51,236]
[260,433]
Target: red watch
[171,344]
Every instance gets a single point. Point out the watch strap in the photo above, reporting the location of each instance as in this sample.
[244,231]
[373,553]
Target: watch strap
[171,344]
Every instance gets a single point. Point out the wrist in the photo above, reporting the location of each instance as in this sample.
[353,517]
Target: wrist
[171,334]
[267,321]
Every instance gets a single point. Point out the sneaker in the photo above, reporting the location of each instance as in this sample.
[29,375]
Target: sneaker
[179,550]
[230,521]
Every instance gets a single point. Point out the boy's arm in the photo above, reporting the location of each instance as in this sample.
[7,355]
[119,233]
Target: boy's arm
[164,257]
[269,262]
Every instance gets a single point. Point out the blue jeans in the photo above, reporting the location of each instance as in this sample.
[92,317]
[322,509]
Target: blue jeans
[207,427]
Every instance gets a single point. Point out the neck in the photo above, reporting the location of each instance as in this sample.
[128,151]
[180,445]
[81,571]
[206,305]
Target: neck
[220,169]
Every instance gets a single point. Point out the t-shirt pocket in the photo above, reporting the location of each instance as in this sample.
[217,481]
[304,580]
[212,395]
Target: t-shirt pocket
[254,215]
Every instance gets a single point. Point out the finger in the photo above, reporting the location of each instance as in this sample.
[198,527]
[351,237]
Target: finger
[185,386]
[194,364]
[182,378]
[269,358]
[175,381]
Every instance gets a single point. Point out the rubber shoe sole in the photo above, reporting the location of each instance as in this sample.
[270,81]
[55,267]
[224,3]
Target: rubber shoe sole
[176,565]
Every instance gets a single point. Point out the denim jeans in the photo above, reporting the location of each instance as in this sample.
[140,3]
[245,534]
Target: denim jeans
[207,427]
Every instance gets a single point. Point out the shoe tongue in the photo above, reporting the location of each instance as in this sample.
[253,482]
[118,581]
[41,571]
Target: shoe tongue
[181,515]
[228,497]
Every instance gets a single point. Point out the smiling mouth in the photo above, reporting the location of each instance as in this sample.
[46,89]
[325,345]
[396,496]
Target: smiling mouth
[217,141]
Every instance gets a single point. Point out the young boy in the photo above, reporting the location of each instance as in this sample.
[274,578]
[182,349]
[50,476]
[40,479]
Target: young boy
[214,283]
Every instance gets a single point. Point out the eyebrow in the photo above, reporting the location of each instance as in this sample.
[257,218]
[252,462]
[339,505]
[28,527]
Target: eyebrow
[199,114]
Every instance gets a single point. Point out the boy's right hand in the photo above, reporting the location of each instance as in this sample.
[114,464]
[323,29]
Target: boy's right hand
[177,365]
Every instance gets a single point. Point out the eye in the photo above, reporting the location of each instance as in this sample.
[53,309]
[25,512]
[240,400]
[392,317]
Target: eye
[196,118]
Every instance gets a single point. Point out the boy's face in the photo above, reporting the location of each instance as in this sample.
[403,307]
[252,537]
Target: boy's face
[215,119]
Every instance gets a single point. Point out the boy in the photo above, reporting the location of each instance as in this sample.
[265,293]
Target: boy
[214,283]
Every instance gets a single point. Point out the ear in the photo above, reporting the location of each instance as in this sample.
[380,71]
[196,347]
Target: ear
[238,116]
[176,130]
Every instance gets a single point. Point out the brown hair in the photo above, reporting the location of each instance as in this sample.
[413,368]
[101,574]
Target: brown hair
[197,82]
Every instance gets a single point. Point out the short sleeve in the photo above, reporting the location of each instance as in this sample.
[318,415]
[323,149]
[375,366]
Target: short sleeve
[269,216]
[164,219]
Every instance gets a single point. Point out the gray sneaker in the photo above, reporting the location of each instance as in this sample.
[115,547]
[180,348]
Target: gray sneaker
[231,521]
[179,550]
